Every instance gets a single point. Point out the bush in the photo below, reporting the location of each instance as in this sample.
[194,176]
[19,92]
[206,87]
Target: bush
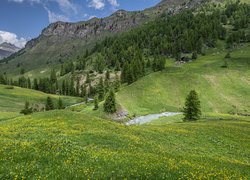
[9,87]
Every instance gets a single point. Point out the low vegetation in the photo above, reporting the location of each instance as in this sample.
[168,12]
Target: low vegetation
[59,144]
[13,100]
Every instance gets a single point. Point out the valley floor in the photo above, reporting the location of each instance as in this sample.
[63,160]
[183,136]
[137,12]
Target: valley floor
[79,143]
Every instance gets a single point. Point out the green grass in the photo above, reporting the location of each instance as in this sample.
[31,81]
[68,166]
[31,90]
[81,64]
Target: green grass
[221,90]
[204,117]
[71,145]
[13,100]
[8,115]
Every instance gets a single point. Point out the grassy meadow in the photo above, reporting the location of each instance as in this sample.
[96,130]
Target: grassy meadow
[71,145]
[13,99]
[221,90]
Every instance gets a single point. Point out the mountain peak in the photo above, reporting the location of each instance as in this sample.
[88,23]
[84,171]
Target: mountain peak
[6,49]
[9,47]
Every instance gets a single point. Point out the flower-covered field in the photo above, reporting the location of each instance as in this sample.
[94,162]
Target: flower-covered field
[71,145]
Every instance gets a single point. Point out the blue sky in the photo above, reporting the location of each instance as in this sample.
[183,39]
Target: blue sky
[21,20]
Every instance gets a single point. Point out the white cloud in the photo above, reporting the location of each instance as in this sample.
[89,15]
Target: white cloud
[113,3]
[66,6]
[12,38]
[97,4]
[20,1]
[53,17]
[91,17]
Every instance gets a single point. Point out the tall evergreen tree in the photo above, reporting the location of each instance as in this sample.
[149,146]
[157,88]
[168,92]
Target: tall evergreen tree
[107,75]
[28,83]
[49,104]
[110,103]
[100,90]
[87,79]
[192,109]
[27,109]
[60,104]
[53,77]
[117,83]
[83,90]
[96,105]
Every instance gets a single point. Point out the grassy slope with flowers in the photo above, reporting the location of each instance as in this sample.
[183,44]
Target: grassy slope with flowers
[70,145]
[221,90]
[12,99]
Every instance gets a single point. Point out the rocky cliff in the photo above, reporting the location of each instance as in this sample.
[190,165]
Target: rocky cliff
[63,40]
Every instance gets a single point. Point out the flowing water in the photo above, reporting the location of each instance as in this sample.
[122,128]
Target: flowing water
[149,118]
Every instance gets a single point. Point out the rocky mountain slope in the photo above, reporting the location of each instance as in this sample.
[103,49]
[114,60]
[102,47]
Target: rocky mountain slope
[61,41]
[6,49]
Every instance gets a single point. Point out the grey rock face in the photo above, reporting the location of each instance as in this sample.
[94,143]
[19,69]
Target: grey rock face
[6,49]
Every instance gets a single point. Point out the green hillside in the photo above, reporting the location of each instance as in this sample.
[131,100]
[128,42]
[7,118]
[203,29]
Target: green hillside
[66,145]
[13,99]
[223,90]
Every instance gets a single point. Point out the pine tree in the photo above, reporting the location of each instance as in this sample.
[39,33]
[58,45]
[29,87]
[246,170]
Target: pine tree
[62,71]
[72,88]
[86,98]
[22,71]
[49,104]
[53,78]
[228,55]
[96,105]
[130,75]
[124,72]
[28,83]
[194,55]
[117,66]
[117,83]
[60,104]
[107,75]
[27,109]
[110,103]
[192,109]
[63,88]
[83,90]
[87,79]
[100,90]
[78,87]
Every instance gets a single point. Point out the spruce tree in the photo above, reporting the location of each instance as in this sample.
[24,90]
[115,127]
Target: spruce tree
[194,55]
[130,75]
[53,78]
[83,90]
[49,104]
[28,83]
[124,72]
[63,88]
[60,104]
[110,104]
[117,83]
[96,105]
[86,98]
[228,55]
[107,75]
[27,109]
[87,79]
[72,88]
[78,87]
[192,109]
[100,90]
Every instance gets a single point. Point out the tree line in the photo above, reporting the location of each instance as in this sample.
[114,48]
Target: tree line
[49,105]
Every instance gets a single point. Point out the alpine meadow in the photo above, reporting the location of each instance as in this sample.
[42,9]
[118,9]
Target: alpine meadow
[159,93]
